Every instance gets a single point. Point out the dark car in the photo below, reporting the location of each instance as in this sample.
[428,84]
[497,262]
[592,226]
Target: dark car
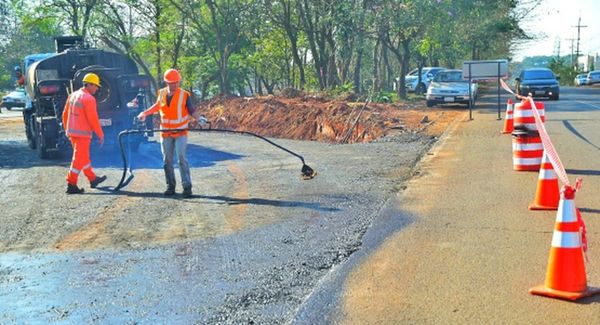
[538,82]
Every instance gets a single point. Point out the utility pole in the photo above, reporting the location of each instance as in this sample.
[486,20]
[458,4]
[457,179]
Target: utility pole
[579,27]
[571,39]
[557,47]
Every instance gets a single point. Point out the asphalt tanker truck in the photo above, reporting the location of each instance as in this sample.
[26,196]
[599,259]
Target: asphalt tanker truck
[122,95]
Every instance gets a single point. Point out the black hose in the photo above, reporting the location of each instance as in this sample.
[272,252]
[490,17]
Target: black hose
[306,172]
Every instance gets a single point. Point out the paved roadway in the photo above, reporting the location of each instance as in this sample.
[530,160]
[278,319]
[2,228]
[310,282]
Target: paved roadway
[471,250]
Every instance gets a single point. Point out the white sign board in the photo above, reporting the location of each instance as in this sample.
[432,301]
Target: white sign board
[486,69]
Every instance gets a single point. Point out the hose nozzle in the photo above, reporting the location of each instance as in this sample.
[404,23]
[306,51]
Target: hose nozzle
[307,173]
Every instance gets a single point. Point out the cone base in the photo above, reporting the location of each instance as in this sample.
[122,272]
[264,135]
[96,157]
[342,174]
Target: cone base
[534,206]
[506,132]
[527,168]
[541,290]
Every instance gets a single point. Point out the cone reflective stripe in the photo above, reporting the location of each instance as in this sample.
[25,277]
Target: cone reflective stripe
[547,195]
[508,118]
[565,275]
[527,152]
[523,115]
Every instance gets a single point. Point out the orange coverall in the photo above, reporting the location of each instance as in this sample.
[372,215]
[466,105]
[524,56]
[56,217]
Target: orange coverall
[80,119]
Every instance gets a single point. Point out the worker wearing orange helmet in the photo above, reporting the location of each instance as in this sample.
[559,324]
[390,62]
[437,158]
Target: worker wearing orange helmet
[80,120]
[176,112]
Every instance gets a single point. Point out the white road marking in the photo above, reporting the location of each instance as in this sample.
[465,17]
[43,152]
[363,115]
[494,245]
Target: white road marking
[594,106]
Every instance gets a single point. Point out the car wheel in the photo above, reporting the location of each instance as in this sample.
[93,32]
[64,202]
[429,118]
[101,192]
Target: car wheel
[8,108]
[430,103]
[420,89]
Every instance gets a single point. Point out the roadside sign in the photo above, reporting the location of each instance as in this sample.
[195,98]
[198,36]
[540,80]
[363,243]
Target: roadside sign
[485,69]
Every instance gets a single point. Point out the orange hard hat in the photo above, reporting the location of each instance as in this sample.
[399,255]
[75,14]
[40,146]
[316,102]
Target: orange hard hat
[172,75]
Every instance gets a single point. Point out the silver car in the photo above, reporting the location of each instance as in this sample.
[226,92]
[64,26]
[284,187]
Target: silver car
[449,87]
[427,74]
[593,77]
[581,79]
[16,98]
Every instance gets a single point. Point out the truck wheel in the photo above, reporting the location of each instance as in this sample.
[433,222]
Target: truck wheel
[41,146]
[29,122]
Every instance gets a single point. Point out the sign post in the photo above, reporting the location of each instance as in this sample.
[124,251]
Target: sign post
[485,70]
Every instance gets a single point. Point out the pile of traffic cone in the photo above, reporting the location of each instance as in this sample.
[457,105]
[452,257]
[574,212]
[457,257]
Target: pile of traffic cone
[508,118]
[547,194]
[565,275]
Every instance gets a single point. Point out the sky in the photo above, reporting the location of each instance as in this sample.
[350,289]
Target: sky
[553,20]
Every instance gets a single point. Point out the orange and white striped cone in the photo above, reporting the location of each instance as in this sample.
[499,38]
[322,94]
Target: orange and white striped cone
[508,118]
[547,194]
[565,276]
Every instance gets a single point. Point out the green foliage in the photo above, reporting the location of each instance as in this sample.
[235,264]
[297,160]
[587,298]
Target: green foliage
[385,97]
[233,45]
[564,71]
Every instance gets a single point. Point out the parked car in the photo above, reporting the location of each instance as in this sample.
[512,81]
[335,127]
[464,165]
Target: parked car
[427,74]
[538,82]
[16,98]
[449,87]
[593,77]
[581,79]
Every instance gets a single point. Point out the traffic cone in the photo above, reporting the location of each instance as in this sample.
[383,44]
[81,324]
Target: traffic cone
[565,276]
[508,118]
[547,194]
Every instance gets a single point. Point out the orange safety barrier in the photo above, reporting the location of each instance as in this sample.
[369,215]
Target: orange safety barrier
[508,118]
[527,151]
[547,194]
[565,275]
[523,115]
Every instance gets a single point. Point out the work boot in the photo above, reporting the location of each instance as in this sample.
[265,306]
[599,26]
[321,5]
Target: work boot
[73,189]
[187,192]
[170,191]
[97,181]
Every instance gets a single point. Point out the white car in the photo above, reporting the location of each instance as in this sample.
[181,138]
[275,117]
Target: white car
[16,98]
[412,79]
[449,87]
[581,79]
[593,77]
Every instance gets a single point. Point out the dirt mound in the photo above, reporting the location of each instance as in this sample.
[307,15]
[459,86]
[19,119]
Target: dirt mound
[312,118]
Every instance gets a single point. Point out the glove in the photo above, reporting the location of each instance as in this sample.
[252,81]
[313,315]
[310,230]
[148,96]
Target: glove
[141,117]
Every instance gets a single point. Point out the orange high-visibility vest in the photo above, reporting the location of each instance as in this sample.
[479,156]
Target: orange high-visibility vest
[172,116]
[80,117]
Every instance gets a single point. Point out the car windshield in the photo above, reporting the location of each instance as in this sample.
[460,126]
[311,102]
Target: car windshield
[538,74]
[582,75]
[449,76]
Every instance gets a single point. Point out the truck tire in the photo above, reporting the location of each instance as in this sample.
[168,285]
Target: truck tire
[42,150]
[30,132]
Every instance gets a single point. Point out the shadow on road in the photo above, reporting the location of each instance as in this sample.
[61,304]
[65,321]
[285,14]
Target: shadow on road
[573,130]
[105,190]
[583,172]
[16,154]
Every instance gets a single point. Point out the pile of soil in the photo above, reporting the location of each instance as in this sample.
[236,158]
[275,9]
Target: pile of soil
[318,119]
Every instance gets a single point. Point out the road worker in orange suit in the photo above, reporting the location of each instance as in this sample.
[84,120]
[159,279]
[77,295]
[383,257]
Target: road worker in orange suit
[80,119]
[176,112]
[20,77]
